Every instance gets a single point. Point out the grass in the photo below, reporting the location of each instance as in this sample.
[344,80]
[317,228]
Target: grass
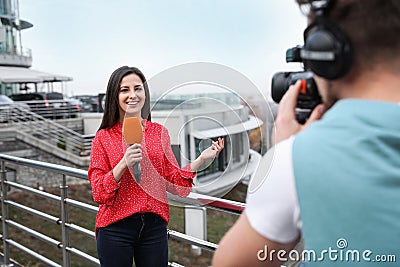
[218,223]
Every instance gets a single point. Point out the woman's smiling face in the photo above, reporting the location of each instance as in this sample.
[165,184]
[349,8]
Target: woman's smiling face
[131,96]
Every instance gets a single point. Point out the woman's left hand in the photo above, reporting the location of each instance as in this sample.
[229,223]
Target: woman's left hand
[214,150]
[208,155]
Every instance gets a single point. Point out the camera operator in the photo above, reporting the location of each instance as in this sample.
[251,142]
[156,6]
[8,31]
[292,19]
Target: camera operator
[335,183]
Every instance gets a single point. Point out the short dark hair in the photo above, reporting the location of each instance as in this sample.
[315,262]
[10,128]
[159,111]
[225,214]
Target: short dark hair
[111,108]
[373,27]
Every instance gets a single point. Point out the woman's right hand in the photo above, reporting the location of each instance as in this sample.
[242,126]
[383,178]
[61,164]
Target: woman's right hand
[133,154]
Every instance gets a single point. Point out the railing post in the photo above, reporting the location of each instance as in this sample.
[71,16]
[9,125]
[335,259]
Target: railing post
[4,214]
[196,224]
[64,220]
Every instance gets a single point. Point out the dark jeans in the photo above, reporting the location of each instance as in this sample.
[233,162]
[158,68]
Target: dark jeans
[141,236]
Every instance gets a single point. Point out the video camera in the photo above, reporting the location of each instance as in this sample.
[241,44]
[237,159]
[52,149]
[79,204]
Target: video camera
[309,96]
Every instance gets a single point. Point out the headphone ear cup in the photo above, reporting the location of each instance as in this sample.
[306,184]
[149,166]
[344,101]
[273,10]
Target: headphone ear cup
[326,38]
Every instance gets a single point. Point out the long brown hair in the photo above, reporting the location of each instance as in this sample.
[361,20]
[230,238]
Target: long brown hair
[111,109]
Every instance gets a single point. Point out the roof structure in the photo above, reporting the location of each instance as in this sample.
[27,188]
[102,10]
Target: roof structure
[26,75]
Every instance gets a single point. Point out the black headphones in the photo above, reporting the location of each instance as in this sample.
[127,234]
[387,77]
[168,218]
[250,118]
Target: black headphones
[327,50]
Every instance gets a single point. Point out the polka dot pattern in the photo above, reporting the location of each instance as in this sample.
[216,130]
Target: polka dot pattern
[160,173]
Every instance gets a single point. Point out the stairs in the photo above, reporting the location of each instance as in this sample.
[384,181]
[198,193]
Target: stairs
[47,135]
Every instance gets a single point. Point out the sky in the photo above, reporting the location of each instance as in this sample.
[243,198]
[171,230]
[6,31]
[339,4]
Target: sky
[88,39]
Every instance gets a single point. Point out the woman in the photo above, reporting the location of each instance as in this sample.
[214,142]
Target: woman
[133,217]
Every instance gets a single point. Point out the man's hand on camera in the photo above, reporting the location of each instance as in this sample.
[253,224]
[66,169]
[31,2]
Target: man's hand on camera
[286,123]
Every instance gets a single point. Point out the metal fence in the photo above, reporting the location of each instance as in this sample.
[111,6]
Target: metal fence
[33,125]
[52,109]
[66,228]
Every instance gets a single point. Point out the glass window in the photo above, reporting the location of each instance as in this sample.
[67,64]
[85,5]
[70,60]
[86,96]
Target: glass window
[176,149]
[237,147]
[219,164]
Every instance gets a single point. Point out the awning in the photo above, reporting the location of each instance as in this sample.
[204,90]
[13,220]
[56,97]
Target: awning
[250,124]
[10,20]
[26,75]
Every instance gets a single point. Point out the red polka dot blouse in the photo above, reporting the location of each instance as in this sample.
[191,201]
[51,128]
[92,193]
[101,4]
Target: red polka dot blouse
[160,173]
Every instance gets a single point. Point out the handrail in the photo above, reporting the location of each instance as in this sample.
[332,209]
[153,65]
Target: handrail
[215,203]
[193,199]
[192,240]
[78,173]
[35,125]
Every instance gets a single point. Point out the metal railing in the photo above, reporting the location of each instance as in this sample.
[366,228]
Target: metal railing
[52,109]
[67,228]
[31,124]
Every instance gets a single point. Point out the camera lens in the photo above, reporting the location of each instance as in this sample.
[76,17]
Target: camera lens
[308,98]
[279,85]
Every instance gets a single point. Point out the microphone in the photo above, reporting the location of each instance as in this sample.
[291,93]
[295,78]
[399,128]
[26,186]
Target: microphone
[133,134]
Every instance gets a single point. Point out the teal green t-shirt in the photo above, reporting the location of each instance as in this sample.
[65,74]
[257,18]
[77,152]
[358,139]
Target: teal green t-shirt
[347,173]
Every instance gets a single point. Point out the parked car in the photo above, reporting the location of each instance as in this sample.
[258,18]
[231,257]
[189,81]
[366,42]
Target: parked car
[49,105]
[7,105]
[75,104]
[90,103]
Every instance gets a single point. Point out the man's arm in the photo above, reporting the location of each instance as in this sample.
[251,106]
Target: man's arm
[243,246]
[272,200]
[271,220]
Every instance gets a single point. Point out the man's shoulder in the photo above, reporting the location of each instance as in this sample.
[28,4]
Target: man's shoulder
[324,128]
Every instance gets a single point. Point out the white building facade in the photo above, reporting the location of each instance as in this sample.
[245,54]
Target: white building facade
[194,120]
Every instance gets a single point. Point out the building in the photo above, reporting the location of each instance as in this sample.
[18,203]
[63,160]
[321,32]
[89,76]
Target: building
[196,117]
[15,61]
[193,116]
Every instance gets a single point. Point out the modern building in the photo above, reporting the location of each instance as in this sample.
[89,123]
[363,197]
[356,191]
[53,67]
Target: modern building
[194,119]
[15,60]
[194,116]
